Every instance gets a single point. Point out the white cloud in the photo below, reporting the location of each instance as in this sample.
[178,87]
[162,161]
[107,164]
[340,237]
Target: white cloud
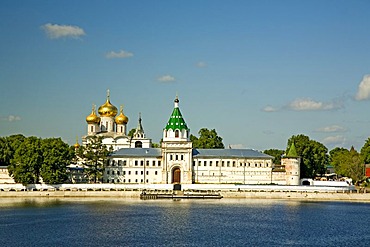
[363,92]
[55,31]
[269,109]
[11,118]
[332,128]
[311,105]
[201,64]
[334,140]
[166,78]
[120,54]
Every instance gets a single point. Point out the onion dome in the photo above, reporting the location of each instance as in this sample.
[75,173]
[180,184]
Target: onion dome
[107,110]
[76,145]
[121,118]
[92,118]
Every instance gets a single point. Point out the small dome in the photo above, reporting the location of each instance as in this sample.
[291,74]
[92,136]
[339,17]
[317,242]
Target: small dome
[76,146]
[92,118]
[107,110]
[121,118]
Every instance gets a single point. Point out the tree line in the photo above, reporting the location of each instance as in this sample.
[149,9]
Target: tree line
[32,159]
[315,158]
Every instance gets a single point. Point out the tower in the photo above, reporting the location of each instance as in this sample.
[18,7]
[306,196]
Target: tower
[121,122]
[177,149]
[93,122]
[292,166]
[107,112]
[138,139]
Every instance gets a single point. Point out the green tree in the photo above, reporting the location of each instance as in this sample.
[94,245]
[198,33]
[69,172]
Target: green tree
[365,152]
[56,156]
[347,163]
[207,139]
[28,157]
[314,157]
[94,156]
[276,153]
[131,132]
[8,146]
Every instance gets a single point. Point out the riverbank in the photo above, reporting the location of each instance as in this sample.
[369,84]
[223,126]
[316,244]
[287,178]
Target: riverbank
[278,195]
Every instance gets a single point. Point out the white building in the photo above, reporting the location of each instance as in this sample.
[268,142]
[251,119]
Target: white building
[177,162]
[113,128]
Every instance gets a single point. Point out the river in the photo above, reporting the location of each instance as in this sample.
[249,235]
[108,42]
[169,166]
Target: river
[225,222]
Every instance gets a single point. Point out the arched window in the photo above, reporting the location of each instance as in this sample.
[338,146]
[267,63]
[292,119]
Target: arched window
[177,133]
[138,144]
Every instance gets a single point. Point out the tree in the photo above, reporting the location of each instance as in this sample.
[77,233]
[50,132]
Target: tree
[365,152]
[25,166]
[94,156]
[314,157]
[347,163]
[131,132]
[207,139]
[8,146]
[56,156]
[276,153]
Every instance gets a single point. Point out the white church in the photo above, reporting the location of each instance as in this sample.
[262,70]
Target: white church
[134,161]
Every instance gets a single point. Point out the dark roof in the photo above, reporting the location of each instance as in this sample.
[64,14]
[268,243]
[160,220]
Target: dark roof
[197,153]
[137,152]
[229,153]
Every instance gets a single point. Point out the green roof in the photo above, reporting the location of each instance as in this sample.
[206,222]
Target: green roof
[292,151]
[176,121]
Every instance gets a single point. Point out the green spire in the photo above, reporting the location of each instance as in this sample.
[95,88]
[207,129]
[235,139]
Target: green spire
[292,151]
[176,120]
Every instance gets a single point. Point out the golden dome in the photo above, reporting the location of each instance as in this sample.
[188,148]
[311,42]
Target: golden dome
[107,110]
[92,118]
[121,118]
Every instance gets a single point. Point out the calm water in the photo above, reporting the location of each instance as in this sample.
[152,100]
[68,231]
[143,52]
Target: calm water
[226,222]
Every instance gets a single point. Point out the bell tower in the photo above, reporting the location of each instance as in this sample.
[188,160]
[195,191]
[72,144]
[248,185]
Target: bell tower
[177,149]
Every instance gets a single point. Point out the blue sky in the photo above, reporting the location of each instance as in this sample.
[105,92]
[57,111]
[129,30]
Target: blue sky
[256,71]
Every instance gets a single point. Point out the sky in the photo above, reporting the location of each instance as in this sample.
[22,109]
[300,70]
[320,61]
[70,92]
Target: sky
[257,71]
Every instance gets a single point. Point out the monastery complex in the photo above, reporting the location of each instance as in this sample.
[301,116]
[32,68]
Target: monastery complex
[134,161]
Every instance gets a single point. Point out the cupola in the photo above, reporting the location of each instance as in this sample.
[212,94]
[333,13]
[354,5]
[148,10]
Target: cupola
[107,109]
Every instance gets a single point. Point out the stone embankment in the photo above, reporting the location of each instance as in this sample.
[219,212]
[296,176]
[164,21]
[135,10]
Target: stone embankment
[252,192]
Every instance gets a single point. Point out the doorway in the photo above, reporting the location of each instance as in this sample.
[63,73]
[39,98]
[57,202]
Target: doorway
[176,175]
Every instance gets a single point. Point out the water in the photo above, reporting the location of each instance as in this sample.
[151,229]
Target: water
[226,222]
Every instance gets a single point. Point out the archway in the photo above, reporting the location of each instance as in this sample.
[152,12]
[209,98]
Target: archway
[176,175]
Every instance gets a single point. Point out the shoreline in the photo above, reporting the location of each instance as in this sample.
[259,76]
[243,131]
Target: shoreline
[274,195]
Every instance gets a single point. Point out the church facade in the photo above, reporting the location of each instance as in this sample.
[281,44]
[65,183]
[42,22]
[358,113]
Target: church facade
[134,161]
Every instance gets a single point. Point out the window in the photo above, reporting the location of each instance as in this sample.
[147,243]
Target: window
[147,172]
[177,133]
[147,163]
[223,163]
[156,172]
[124,162]
[217,163]
[182,157]
[193,163]
[129,172]
[153,163]
[142,172]
[141,163]
[112,172]
[113,162]
[107,172]
[170,156]
[112,180]
[136,172]
[124,180]
[135,180]
[118,173]
[205,163]
[228,163]
[177,157]
[136,163]
[129,180]
[233,163]
[210,163]
[124,172]
[159,163]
